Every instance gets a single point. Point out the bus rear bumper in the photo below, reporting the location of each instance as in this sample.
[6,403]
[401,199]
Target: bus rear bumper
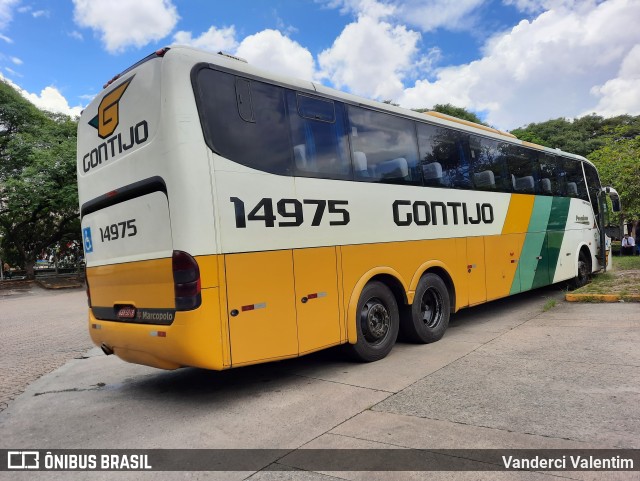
[193,339]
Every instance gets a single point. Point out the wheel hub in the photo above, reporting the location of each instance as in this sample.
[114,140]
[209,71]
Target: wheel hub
[375,320]
[431,308]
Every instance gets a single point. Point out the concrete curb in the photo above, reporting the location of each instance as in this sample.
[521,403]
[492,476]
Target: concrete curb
[602,297]
[69,285]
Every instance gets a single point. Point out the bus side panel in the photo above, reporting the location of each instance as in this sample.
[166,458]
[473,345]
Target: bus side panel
[317,303]
[502,254]
[261,306]
[476,270]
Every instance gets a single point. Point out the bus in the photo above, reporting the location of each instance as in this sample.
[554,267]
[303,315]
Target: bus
[232,216]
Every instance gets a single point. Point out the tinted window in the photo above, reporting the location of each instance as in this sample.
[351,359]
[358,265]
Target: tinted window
[593,185]
[551,178]
[576,186]
[315,108]
[318,136]
[443,157]
[489,168]
[383,146]
[245,121]
[522,166]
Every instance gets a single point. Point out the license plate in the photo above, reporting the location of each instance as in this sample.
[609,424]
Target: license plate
[127,312]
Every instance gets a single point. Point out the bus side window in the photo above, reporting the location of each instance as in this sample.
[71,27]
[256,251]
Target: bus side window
[254,132]
[551,180]
[243,99]
[318,137]
[489,170]
[576,186]
[384,147]
[523,168]
[443,157]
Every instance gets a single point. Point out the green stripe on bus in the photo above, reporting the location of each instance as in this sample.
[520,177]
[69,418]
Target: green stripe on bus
[556,229]
[533,245]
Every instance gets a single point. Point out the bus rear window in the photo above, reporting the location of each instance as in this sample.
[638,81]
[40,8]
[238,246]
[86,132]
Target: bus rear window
[245,121]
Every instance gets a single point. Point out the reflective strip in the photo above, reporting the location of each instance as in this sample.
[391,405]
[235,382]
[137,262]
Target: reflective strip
[158,334]
[251,307]
[96,326]
[316,295]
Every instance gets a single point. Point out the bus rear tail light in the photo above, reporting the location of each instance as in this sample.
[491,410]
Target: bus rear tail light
[186,281]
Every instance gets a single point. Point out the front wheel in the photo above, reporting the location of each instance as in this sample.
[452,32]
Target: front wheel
[584,271]
[430,311]
[377,322]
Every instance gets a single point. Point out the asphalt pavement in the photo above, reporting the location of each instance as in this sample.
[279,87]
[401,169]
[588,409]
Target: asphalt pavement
[508,374]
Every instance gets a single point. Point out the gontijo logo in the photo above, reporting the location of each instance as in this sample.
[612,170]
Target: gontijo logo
[106,123]
[109,111]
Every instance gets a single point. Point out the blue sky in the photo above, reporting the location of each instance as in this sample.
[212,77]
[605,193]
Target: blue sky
[511,61]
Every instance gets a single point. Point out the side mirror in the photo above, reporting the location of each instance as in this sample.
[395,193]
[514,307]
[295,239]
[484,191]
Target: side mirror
[615,198]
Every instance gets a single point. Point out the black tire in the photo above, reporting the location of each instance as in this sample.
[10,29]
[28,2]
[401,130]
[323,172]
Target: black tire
[377,322]
[430,311]
[584,272]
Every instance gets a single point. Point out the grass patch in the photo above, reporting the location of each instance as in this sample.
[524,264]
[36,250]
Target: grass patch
[625,263]
[550,304]
[623,280]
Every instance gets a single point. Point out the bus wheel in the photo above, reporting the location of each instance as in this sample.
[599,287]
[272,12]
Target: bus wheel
[377,322]
[429,312]
[584,269]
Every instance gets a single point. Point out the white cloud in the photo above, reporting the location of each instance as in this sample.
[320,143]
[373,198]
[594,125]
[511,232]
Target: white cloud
[52,100]
[541,69]
[537,6]
[371,8]
[214,39]
[6,12]
[122,23]
[16,60]
[270,50]
[5,38]
[621,95]
[371,57]
[49,99]
[40,13]
[429,16]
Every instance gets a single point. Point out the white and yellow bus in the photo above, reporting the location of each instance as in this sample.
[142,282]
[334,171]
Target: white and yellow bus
[231,216]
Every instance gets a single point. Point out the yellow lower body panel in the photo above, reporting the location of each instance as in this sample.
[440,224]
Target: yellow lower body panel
[264,306]
[193,339]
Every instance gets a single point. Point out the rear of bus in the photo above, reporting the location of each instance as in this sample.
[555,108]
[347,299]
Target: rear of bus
[148,224]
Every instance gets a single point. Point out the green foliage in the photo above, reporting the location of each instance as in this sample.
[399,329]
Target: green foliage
[582,136]
[38,193]
[454,111]
[618,162]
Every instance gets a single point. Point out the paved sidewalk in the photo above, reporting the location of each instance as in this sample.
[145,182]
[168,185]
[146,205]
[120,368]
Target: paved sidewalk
[40,330]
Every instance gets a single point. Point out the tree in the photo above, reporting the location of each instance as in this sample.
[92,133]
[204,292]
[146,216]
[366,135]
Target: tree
[582,135]
[619,166]
[38,193]
[454,111]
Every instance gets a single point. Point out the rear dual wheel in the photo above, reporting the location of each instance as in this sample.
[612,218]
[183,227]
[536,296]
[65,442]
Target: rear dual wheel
[377,322]
[430,311]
